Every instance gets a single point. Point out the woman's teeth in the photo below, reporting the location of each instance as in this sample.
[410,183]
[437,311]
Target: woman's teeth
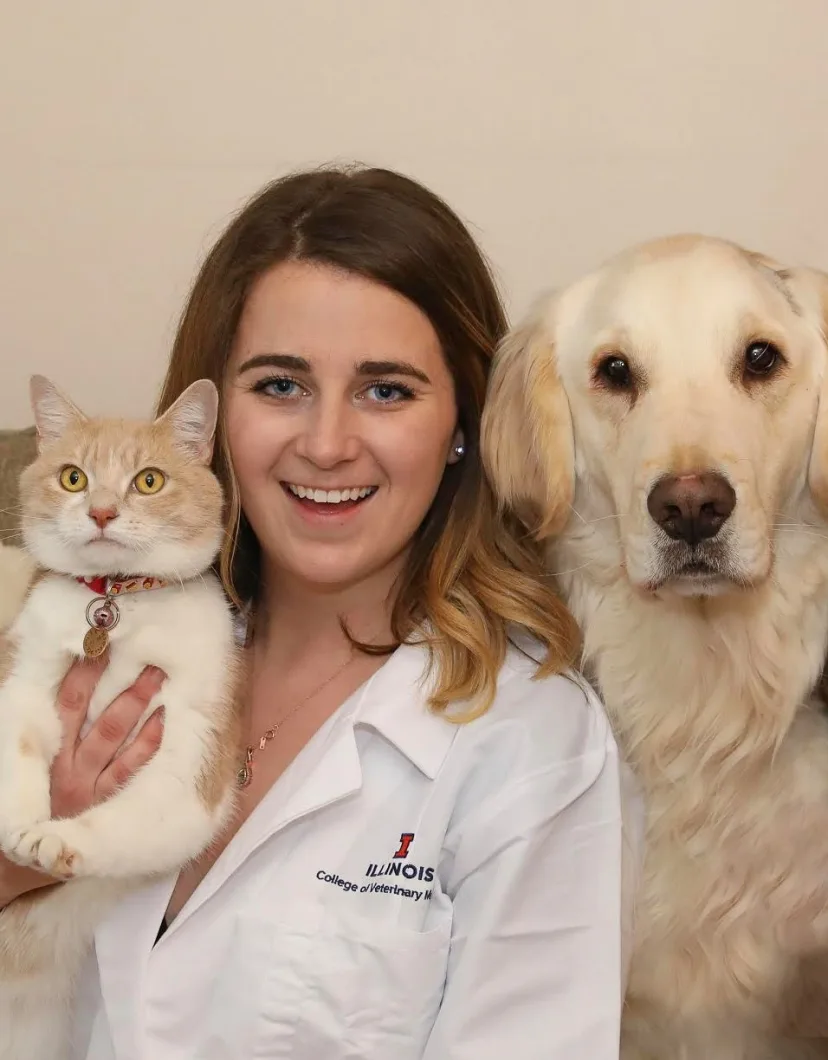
[353,493]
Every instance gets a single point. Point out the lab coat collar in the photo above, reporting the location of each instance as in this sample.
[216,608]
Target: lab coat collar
[394,704]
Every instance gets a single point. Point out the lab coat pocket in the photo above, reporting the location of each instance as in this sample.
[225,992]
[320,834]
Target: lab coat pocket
[347,987]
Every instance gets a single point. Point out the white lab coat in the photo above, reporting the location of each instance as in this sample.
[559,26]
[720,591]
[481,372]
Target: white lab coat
[409,889]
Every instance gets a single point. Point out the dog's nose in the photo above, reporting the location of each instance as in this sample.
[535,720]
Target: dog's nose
[692,508]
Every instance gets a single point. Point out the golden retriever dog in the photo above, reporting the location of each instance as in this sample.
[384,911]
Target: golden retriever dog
[663,422]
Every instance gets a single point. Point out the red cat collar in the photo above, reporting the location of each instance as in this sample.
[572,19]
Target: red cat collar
[103,585]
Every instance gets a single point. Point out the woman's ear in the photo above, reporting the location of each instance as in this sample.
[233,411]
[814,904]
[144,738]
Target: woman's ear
[458,447]
[526,431]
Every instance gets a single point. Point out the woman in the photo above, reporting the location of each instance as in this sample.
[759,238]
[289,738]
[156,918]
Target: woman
[428,859]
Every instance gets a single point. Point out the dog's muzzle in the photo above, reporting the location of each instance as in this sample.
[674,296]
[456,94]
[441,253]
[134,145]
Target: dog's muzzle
[692,508]
[692,511]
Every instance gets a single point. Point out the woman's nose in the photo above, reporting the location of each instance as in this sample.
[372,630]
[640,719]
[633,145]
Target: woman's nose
[329,436]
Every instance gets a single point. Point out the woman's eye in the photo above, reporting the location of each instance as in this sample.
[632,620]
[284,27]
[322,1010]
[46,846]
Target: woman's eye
[280,386]
[385,393]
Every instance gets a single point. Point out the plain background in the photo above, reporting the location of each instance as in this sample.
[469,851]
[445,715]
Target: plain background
[130,130]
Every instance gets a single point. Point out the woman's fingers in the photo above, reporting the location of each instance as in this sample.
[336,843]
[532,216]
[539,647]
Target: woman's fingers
[73,699]
[76,779]
[104,739]
[132,758]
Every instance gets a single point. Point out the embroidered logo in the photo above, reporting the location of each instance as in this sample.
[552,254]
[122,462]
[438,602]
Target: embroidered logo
[395,867]
[408,875]
[406,839]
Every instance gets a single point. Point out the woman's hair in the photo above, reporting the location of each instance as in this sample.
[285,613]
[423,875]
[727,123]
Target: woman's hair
[469,576]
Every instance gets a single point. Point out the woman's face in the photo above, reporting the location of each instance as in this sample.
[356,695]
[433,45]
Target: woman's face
[341,418]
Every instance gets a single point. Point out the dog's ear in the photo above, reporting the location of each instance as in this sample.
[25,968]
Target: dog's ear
[807,290]
[526,432]
[810,287]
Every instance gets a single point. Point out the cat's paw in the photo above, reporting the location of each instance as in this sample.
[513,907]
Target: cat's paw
[45,847]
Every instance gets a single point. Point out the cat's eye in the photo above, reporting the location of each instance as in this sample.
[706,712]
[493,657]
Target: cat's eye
[73,479]
[149,481]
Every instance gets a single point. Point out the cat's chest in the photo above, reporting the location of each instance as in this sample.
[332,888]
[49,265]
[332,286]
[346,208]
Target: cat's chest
[77,611]
[156,622]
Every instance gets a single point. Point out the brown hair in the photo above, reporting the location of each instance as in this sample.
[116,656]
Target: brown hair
[469,576]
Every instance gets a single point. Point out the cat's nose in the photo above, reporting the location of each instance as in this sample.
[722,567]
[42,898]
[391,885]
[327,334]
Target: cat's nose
[102,516]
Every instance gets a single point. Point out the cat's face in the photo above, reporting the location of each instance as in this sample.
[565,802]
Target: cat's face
[119,497]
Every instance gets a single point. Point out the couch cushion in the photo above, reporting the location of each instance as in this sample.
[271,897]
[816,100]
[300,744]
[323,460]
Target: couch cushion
[17,449]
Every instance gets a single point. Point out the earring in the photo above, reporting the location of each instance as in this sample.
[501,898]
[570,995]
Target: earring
[459,451]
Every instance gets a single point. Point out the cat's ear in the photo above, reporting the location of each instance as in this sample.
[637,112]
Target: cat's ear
[54,413]
[192,420]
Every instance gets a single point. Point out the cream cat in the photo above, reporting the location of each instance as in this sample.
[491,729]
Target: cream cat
[124,519]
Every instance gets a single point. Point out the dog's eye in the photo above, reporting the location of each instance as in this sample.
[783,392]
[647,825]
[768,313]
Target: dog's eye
[761,358]
[615,372]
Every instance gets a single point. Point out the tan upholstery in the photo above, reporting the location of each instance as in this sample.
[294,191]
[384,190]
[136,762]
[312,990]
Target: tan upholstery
[17,449]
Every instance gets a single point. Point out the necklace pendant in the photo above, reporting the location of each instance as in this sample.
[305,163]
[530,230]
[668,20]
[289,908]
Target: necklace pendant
[244,774]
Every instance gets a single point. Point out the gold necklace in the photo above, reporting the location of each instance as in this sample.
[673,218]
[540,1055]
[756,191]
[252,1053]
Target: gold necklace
[245,772]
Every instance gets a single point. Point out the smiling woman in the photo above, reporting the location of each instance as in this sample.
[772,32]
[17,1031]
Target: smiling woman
[430,855]
[337,417]
[327,272]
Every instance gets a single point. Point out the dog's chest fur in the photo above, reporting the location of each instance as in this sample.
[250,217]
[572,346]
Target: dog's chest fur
[712,706]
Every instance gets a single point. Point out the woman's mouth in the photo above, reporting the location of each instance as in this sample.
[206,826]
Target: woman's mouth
[313,500]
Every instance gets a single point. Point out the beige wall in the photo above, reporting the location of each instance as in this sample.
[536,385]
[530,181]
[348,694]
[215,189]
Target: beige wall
[130,129]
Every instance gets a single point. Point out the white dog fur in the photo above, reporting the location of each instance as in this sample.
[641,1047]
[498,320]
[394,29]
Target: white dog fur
[707,669]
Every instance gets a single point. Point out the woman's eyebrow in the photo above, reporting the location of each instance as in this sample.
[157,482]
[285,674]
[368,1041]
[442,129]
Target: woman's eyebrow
[275,360]
[292,363]
[392,368]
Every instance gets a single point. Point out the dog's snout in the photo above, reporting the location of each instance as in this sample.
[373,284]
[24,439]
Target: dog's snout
[692,508]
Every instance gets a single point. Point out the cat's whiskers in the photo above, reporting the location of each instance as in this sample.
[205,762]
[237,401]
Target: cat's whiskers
[177,577]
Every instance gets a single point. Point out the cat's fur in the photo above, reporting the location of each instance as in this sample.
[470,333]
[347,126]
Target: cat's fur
[172,808]
[16,570]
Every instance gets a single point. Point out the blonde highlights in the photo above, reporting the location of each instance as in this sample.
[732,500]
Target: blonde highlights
[470,576]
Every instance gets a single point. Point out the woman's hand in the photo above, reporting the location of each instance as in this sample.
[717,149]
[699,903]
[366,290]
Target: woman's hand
[86,771]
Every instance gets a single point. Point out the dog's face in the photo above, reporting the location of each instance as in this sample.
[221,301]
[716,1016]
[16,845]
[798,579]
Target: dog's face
[674,396]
